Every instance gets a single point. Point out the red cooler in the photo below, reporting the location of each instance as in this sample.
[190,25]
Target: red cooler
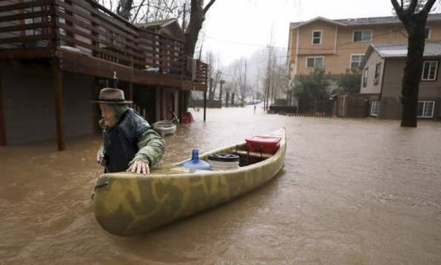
[264,144]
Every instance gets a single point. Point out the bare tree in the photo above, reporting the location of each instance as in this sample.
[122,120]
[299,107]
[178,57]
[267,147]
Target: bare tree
[214,73]
[197,18]
[237,78]
[152,10]
[160,9]
[413,14]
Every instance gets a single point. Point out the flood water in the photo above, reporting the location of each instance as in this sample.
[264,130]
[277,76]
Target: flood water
[351,192]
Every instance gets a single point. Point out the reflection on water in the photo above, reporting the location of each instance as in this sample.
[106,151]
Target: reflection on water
[351,192]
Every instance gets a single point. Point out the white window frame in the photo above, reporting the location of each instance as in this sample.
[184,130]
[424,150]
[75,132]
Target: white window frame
[430,75]
[315,63]
[375,106]
[424,109]
[361,56]
[363,38]
[365,76]
[377,73]
[319,38]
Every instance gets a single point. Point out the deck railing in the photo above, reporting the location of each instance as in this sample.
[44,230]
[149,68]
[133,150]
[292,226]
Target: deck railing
[85,26]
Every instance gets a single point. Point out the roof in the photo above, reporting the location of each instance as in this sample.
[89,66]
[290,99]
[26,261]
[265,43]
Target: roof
[361,21]
[400,50]
[299,24]
[431,49]
[162,23]
[167,27]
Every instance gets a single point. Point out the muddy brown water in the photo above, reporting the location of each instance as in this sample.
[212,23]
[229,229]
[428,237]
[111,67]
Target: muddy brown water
[351,192]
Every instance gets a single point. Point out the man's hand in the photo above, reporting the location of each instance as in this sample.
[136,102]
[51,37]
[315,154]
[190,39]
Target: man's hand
[139,167]
[100,160]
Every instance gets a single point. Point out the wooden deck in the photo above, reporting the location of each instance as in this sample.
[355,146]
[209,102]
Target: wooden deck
[85,37]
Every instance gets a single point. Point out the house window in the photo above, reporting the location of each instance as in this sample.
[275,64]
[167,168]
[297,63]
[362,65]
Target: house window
[430,69]
[375,105]
[356,60]
[314,62]
[425,109]
[362,36]
[365,76]
[317,37]
[427,32]
[377,73]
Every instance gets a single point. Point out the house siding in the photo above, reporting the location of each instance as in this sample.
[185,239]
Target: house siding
[390,86]
[393,77]
[371,64]
[428,90]
[29,103]
[78,93]
[389,108]
[338,46]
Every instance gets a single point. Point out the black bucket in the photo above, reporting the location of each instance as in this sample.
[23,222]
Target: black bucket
[223,161]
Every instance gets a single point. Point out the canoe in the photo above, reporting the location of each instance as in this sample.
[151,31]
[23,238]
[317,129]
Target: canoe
[164,127]
[128,204]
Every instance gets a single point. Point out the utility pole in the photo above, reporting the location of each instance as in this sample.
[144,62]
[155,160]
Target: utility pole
[221,90]
[267,88]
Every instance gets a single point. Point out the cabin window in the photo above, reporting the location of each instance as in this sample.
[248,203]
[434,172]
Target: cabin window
[314,62]
[430,70]
[317,37]
[362,36]
[425,109]
[375,105]
[427,32]
[377,73]
[365,76]
[356,60]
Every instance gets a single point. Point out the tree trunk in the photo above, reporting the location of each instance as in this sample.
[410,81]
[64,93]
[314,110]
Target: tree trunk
[197,17]
[413,69]
[413,14]
[227,99]
[124,8]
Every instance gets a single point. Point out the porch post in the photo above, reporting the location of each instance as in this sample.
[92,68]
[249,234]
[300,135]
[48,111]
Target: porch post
[205,105]
[59,113]
[2,119]
[158,103]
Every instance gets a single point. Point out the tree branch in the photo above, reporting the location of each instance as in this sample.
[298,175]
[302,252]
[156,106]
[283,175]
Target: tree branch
[413,4]
[428,6]
[397,7]
[208,6]
[137,11]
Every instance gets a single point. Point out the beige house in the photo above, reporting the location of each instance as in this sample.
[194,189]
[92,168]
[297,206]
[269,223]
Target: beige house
[337,45]
[382,72]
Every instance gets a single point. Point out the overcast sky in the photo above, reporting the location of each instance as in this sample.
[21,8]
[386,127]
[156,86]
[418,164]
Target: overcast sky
[237,28]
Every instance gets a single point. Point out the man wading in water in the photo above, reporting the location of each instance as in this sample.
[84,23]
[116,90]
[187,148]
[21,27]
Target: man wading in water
[129,143]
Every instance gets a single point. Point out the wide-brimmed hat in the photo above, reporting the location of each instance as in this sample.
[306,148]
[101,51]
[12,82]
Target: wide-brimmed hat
[110,95]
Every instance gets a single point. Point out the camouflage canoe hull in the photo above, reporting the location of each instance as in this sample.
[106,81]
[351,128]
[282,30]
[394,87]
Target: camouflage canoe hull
[128,204]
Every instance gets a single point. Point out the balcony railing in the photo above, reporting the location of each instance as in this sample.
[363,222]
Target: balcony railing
[86,27]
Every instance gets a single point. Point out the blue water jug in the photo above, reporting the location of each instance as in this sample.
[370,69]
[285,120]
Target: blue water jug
[195,162]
